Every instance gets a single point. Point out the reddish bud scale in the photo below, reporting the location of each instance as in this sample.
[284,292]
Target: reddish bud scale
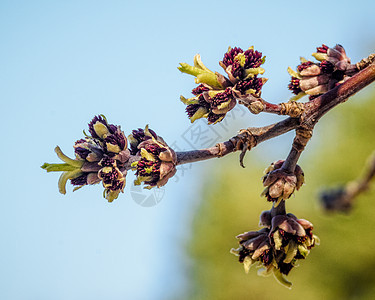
[322,49]
[140,136]
[111,179]
[326,67]
[304,65]
[154,149]
[144,164]
[80,141]
[237,71]
[199,90]
[221,97]
[253,59]
[301,239]
[254,83]
[107,162]
[191,109]
[212,118]
[117,185]
[111,128]
[294,85]
[81,152]
[266,257]
[81,180]
[230,55]
[116,139]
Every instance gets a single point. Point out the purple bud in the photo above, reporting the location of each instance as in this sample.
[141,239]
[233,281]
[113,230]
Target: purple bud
[326,67]
[199,90]
[81,180]
[230,55]
[304,65]
[253,83]
[253,59]
[115,142]
[95,123]
[322,49]
[294,86]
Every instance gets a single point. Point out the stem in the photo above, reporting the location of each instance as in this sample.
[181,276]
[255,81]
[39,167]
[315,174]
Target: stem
[57,167]
[257,105]
[279,209]
[342,198]
[361,185]
[303,135]
[260,134]
[272,108]
[290,163]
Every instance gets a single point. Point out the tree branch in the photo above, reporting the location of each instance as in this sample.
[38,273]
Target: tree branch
[313,111]
[342,197]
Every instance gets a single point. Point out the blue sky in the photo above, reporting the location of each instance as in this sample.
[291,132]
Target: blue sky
[62,62]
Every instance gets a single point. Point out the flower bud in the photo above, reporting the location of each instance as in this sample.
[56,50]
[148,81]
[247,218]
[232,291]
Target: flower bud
[210,104]
[254,248]
[216,95]
[240,65]
[99,157]
[286,229]
[99,128]
[157,163]
[315,79]
[88,149]
[279,184]
[307,83]
[321,53]
[112,178]
[278,247]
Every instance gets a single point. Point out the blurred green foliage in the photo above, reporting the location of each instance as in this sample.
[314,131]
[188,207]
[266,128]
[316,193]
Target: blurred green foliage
[342,267]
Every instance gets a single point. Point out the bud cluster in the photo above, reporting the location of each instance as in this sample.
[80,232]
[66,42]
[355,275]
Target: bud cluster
[216,94]
[106,150]
[99,157]
[103,156]
[278,246]
[317,78]
[280,184]
[158,161]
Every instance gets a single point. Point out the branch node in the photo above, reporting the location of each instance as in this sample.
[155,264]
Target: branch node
[365,62]
[244,141]
[303,135]
[254,104]
[292,109]
[221,149]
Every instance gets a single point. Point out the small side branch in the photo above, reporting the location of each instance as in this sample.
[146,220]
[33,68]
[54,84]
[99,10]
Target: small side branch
[257,105]
[255,136]
[343,197]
